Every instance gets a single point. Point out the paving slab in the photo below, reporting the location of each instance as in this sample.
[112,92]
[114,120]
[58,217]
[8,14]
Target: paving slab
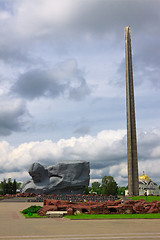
[13,225]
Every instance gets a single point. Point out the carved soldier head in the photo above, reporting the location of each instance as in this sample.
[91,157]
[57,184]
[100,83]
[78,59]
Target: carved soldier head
[37,172]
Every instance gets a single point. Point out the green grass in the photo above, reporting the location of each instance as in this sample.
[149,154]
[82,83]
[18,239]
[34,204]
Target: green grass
[102,216]
[113,216]
[34,215]
[146,198]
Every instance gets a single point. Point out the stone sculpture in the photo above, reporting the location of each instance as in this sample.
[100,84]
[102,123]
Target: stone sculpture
[63,178]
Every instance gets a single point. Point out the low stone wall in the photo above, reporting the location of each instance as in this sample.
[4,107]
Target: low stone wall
[107,207]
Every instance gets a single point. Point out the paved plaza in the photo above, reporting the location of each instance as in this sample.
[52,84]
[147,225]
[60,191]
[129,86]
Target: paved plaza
[14,226]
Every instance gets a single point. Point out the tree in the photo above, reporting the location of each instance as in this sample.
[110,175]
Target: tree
[121,190]
[4,186]
[14,187]
[109,186]
[8,187]
[87,190]
[19,185]
[95,186]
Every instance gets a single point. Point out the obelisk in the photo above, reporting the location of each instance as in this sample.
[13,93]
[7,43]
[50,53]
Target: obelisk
[133,185]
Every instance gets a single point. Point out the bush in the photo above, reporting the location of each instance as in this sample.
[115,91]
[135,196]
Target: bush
[31,209]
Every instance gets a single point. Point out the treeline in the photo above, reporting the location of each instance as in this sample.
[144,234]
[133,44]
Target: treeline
[9,186]
[108,187]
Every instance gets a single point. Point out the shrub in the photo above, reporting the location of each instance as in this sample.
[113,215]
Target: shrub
[31,209]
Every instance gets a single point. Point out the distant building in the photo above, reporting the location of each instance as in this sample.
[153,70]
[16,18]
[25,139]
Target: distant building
[146,186]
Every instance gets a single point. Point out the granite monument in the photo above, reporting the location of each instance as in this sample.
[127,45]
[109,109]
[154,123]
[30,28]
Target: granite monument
[63,178]
[133,185]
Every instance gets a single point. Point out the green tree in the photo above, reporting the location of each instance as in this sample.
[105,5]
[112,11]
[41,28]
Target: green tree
[109,186]
[99,190]
[87,190]
[19,185]
[10,186]
[95,186]
[14,187]
[4,186]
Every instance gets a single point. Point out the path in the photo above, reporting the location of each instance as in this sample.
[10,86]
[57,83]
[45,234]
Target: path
[14,226]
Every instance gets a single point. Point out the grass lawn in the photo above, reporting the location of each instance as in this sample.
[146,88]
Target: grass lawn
[146,198]
[113,216]
[34,215]
[102,216]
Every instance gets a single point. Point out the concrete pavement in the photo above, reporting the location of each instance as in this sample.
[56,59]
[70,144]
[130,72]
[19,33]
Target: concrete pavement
[14,226]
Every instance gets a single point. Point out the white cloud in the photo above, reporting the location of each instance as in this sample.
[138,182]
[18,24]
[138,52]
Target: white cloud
[106,153]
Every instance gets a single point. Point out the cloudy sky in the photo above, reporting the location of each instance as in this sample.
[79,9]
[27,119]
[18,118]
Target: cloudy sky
[62,91]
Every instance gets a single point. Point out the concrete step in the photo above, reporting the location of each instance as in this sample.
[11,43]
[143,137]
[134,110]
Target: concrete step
[56,214]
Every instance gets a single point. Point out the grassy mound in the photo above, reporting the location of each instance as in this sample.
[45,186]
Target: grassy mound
[114,216]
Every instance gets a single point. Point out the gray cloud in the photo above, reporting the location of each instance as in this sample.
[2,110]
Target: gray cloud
[92,30]
[64,79]
[78,93]
[99,173]
[14,55]
[146,61]
[108,18]
[37,83]
[147,141]
[80,21]
[82,130]
[13,116]
[96,18]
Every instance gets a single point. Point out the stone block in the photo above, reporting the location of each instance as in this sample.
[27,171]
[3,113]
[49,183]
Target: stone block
[55,214]
[42,211]
[109,207]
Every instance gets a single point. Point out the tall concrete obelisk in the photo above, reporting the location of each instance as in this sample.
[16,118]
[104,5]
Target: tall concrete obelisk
[133,186]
